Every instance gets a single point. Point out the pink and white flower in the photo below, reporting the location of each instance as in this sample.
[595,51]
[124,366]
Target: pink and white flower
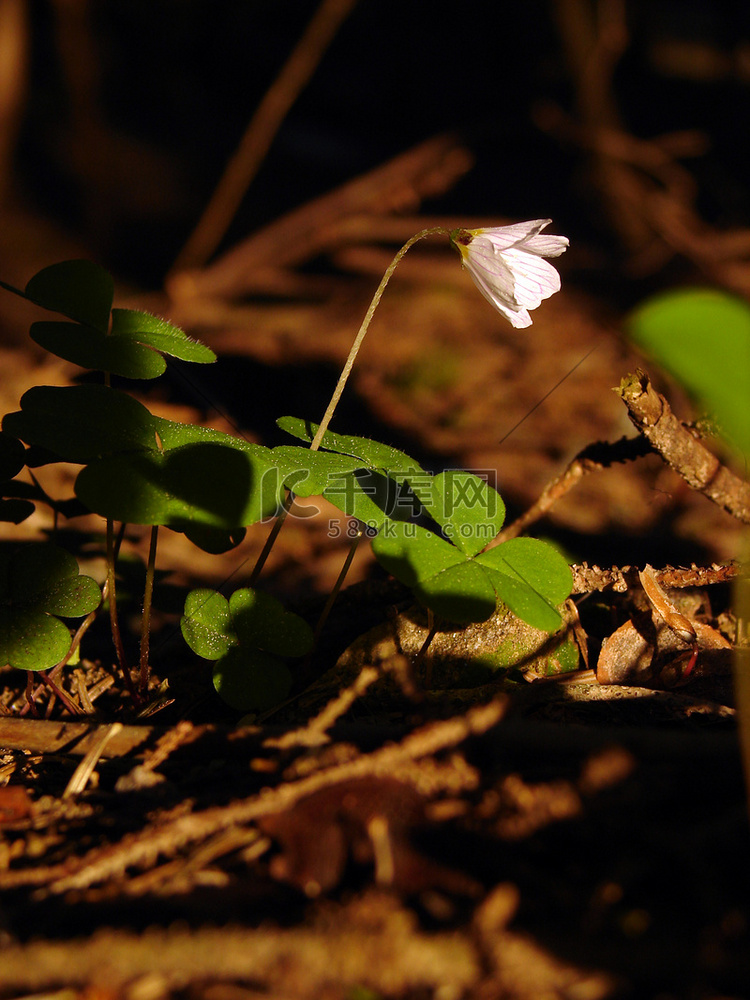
[508,267]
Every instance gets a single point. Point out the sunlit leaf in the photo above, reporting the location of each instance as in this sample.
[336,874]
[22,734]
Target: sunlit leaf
[246,636]
[207,624]
[159,334]
[530,577]
[467,508]
[702,336]
[90,348]
[373,454]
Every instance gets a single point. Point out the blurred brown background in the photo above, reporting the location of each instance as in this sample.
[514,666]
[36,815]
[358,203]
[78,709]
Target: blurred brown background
[363,121]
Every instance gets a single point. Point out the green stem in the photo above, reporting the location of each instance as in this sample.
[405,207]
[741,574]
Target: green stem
[349,363]
[79,634]
[337,393]
[273,534]
[148,592]
[113,619]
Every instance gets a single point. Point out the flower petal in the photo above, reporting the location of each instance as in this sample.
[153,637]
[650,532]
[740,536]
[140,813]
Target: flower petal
[502,237]
[546,246]
[498,289]
[508,268]
[534,278]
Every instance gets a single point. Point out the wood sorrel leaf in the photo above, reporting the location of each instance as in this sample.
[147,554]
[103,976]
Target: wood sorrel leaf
[373,454]
[82,422]
[145,469]
[531,577]
[223,484]
[207,623]
[251,681]
[15,511]
[376,488]
[246,636]
[260,620]
[133,348]
[461,594]
[437,572]
[470,512]
[12,460]
[12,457]
[90,348]
[38,582]
[31,640]
[213,540]
[372,497]
[159,334]
[681,330]
[308,473]
[79,289]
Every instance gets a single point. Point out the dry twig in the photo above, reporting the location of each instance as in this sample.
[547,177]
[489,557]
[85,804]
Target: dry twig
[681,450]
[167,838]
[261,131]
[587,579]
[400,185]
[399,960]
[593,458]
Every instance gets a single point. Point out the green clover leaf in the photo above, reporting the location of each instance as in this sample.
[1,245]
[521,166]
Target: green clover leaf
[248,637]
[143,469]
[39,582]
[132,346]
[527,575]
[681,329]
[370,481]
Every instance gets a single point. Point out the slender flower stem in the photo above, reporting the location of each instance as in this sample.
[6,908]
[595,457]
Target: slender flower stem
[273,534]
[82,629]
[349,364]
[337,393]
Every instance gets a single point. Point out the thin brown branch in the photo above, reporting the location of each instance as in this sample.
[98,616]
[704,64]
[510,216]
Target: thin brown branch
[587,579]
[653,417]
[315,732]
[261,131]
[139,848]
[391,962]
[399,185]
[593,458]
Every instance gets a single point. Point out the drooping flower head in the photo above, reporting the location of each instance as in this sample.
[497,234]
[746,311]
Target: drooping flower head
[508,267]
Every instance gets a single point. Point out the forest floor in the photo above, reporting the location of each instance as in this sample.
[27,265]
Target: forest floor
[475,836]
